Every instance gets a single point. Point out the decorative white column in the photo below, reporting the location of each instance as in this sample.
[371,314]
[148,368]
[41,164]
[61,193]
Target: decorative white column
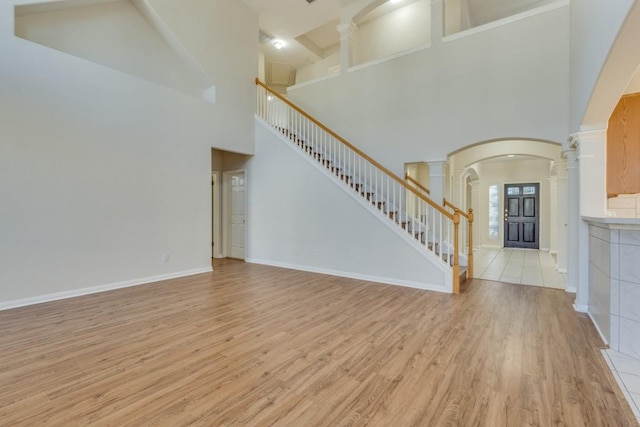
[346,30]
[562,218]
[438,180]
[553,215]
[458,192]
[573,221]
[480,220]
[592,155]
[591,147]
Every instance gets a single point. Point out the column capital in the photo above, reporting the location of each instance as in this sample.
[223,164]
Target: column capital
[347,30]
[578,138]
[570,152]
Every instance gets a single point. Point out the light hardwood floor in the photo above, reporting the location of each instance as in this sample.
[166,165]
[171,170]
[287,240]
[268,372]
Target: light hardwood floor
[250,345]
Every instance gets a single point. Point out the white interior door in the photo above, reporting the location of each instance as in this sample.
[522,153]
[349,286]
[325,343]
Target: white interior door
[237,215]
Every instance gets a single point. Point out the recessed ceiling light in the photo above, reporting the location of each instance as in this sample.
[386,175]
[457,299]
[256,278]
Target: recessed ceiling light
[394,1]
[511,156]
[278,44]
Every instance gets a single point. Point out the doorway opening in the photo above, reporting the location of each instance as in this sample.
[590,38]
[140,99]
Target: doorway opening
[228,204]
[516,188]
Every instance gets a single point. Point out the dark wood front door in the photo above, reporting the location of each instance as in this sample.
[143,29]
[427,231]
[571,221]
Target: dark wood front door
[521,215]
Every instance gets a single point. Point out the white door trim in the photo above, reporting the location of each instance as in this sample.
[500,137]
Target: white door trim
[226,203]
[216,207]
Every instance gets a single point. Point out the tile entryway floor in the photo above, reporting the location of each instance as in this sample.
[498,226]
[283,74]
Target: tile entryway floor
[626,371]
[520,266]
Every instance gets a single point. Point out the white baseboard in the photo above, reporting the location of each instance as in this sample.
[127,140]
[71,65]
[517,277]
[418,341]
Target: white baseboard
[604,339]
[561,270]
[581,308]
[571,289]
[96,289]
[350,275]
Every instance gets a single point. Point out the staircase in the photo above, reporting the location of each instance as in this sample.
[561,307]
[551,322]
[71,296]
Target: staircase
[429,225]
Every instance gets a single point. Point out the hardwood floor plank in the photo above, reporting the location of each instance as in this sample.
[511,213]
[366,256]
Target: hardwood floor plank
[251,345]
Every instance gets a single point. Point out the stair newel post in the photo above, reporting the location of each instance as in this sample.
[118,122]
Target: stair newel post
[470,246]
[456,256]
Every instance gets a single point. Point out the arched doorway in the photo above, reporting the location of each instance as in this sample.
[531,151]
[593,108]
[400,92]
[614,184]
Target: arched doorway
[485,177]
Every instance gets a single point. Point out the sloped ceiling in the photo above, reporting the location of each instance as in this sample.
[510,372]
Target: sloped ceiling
[634,84]
[110,33]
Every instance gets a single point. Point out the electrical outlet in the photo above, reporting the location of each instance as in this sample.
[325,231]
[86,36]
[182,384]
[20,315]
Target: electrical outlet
[165,257]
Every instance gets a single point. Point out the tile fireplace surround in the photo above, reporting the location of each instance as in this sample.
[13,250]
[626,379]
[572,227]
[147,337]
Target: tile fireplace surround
[614,282]
[614,298]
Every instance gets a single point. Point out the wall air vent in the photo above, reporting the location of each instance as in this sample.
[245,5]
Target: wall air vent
[264,38]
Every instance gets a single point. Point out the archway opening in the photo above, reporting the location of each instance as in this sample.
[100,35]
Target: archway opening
[486,177]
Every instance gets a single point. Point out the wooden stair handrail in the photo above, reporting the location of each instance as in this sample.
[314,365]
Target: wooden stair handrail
[448,204]
[366,157]
[416,183]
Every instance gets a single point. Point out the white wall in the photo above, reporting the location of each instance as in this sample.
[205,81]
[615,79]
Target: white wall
[634,84]
[261,67]
[111,34]
[402,29]
[453,10]
[318,69]
[221,36]
[509,81]
[101,173]
[594,27]
[298,217]
[512,172]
